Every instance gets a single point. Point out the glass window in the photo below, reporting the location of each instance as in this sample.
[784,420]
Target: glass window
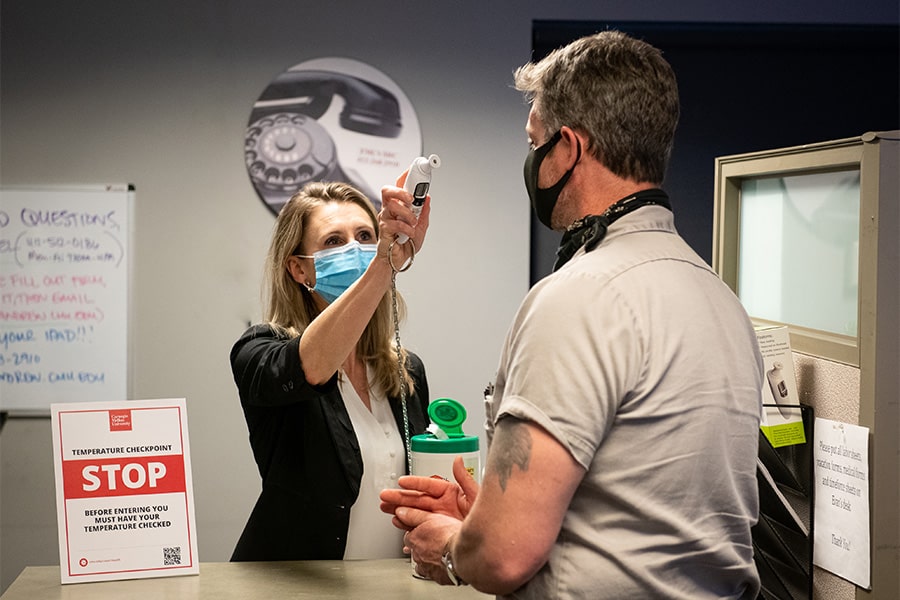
[799,249]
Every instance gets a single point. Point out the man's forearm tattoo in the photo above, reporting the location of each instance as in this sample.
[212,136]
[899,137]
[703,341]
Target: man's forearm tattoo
[511,447]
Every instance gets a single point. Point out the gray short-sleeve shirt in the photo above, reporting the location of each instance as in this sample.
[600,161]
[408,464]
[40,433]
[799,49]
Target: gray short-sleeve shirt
[645,367]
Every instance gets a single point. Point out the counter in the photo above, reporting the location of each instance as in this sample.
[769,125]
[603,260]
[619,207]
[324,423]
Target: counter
[364,579]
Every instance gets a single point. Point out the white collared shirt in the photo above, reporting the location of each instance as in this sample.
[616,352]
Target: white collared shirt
[371,533]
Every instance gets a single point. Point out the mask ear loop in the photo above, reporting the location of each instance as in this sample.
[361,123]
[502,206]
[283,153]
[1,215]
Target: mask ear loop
[404,392]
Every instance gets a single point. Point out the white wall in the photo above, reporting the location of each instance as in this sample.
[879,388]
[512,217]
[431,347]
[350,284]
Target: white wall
[157,94]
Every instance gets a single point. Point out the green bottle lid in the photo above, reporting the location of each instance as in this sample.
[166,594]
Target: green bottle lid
[449,415]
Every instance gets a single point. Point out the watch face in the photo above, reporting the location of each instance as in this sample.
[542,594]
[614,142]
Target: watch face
[448,567]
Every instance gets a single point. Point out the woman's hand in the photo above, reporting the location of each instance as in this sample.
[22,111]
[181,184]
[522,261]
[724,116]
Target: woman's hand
[397,217]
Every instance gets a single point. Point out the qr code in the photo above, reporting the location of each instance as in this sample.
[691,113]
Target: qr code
[172,556]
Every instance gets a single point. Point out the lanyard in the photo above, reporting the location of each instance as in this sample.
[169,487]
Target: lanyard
[404,392]
[591,230]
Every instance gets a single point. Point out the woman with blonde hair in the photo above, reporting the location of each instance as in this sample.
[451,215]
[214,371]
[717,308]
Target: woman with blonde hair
[329,399]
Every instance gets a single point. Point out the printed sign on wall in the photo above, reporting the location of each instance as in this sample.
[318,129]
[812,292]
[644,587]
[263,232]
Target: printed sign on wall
[842,543]
[124,491]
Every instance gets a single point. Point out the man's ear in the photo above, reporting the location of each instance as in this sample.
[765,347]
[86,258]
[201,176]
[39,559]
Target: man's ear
[573,145]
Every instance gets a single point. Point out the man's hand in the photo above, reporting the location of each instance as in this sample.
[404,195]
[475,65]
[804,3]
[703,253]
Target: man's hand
[431,511]
[427,537]
[433,495]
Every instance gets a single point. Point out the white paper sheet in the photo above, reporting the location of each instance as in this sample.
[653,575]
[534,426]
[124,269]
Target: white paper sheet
[841,543]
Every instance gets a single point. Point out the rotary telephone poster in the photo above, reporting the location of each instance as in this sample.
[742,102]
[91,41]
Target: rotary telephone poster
[124,493]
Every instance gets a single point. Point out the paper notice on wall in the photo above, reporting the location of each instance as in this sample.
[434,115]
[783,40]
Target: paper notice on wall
[841,543]
[124,495]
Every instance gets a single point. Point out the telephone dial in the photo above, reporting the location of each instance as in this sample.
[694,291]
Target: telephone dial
[286,147]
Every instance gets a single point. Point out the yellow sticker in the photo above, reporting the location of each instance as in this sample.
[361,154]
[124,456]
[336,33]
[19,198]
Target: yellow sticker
[785,434]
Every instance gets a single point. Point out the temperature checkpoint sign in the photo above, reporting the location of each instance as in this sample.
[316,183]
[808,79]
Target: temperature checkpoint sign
[124,491]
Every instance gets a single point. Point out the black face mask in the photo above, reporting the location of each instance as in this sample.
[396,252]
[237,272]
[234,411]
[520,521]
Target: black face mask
[544,199]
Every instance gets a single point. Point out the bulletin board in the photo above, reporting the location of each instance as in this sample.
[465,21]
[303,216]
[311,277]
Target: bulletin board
[65,291]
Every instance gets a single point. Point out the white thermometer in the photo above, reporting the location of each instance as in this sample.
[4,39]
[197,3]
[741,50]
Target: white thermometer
[418,180]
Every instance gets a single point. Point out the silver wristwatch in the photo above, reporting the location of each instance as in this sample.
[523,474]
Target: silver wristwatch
[447,561]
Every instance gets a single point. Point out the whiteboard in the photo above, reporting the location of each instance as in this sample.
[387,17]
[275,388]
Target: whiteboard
[65,255]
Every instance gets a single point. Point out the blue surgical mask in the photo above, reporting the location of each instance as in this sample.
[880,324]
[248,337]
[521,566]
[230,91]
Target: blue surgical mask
[338,268]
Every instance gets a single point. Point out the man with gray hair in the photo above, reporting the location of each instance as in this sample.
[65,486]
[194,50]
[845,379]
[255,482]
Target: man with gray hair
[623,423]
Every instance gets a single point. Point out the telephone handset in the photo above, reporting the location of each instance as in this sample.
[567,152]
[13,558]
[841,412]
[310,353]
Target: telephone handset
[285,147]
[368,108]
[418,182]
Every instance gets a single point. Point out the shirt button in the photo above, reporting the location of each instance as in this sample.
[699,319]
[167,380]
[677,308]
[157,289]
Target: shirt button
[393,476]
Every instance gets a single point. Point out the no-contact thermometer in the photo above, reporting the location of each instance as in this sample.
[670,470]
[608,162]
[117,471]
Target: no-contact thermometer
[418,180]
